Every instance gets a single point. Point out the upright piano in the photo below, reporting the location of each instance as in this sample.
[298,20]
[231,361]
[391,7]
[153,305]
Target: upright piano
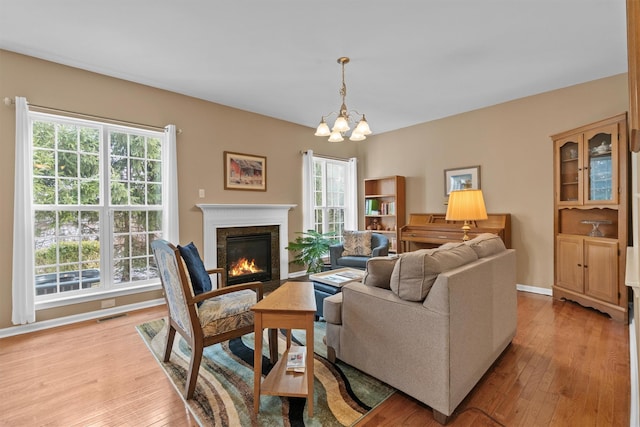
[430,230]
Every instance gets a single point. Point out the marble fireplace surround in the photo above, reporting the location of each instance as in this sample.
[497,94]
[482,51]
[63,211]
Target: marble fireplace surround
[244,215]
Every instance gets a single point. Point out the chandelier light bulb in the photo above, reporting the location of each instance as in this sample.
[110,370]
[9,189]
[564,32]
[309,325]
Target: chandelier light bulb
[336,137]
[357,136]
[363,127]
[341,125]
[323,129]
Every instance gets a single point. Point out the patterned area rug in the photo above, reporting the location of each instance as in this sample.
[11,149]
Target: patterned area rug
[224,391]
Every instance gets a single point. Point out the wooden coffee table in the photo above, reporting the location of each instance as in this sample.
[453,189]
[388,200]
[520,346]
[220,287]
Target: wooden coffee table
[291,306]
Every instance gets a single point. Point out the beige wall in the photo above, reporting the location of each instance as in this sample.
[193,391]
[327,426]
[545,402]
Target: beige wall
[511,143]
[208,129]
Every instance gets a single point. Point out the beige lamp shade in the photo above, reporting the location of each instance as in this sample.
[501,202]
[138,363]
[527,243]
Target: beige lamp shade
[466,205]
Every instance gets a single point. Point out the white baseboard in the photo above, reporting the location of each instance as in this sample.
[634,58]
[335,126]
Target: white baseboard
[297,274]
[107,312]
[534,290]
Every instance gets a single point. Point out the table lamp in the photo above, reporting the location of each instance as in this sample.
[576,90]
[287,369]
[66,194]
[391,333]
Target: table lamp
[466,205]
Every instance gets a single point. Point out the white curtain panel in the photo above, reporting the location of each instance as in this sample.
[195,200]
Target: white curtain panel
[23,286]
[308,184]
[170,192]
[351,196]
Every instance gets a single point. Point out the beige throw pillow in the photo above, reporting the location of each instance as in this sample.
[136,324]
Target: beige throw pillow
[486,244]
[357,243]
[415,272]
[378,271]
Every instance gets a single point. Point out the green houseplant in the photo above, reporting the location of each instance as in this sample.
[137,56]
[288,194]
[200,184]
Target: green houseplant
[311,246]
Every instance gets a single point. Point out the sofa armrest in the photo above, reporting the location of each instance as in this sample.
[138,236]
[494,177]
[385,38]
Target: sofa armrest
[332,309]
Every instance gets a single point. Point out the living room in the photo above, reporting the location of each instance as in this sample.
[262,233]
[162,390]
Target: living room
[511,141]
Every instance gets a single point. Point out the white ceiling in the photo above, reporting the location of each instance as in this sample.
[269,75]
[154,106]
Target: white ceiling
[411,61]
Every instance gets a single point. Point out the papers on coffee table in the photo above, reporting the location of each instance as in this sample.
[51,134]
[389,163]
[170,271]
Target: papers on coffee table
[338,277]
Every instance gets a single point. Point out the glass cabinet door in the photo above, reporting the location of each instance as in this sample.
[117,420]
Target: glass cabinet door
[600,152]
[569,182]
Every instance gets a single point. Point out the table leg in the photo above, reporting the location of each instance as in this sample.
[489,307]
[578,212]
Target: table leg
[310,376]
[273,345]
[257,362]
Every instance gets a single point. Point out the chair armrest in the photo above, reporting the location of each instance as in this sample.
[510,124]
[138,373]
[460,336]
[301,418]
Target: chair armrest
[380,251]
[256,286]
[220,272]
[335,252]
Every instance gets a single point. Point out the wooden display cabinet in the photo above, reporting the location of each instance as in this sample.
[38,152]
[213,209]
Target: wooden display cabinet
[384,207]
[590,215]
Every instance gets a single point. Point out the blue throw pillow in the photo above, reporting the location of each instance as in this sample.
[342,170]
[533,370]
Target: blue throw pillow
[200,279]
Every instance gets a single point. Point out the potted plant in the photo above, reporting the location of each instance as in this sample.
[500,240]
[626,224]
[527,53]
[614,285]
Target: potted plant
[311,246]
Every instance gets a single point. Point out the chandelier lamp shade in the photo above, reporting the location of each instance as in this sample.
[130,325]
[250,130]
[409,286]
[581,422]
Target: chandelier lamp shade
[344,118]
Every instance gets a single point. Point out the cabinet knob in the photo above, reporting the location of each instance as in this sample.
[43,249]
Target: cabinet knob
[586,266]
[579,265]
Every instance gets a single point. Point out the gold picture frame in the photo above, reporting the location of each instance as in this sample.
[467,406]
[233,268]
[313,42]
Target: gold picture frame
[461,178]
[245,172]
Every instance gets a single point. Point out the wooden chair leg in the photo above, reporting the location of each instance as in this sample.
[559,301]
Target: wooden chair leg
[194,369]
[170,336]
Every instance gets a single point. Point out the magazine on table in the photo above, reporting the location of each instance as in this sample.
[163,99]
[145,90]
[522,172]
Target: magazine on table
[349,274]
[296,359]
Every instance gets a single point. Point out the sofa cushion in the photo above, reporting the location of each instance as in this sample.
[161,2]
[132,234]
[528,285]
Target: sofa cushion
[378,271]
[415,272]
[486,244]
[200,280]
[357,243]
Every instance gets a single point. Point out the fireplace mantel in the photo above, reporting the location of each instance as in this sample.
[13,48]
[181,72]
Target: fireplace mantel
[244,215]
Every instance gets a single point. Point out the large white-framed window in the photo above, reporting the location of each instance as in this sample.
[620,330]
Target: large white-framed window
[97,203]
[330,194]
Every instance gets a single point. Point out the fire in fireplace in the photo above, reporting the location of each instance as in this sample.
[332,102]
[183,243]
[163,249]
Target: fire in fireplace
[248,258]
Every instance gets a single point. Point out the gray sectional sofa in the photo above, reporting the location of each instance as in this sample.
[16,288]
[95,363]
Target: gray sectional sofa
[429,323]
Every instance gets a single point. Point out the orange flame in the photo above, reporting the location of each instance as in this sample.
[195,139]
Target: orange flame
[243,266]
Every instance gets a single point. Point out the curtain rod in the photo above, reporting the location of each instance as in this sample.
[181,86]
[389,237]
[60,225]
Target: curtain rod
[8,101]
[326,157]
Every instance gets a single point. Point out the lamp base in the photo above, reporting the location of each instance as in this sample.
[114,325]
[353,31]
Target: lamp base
[465,229]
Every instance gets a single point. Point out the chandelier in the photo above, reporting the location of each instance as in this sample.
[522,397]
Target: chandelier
[341,125]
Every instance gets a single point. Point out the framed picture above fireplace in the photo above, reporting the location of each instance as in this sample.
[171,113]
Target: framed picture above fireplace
[245,172]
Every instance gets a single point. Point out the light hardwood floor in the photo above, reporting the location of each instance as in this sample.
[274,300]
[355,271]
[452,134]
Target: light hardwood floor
[567,366]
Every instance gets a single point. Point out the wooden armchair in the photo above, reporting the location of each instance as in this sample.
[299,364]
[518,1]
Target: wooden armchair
[222,314]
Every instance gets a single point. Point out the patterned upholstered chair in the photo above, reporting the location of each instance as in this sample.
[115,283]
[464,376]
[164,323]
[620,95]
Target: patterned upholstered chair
[205,319]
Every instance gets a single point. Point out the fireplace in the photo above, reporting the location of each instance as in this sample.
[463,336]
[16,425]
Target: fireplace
[219,219]
[249,254]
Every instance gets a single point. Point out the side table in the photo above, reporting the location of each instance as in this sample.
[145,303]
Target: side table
[291,306]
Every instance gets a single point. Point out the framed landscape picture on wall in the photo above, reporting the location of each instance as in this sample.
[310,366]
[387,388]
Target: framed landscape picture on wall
[245,172]
[461,179]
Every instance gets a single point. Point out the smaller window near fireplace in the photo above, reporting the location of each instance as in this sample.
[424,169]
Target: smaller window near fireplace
[248,258]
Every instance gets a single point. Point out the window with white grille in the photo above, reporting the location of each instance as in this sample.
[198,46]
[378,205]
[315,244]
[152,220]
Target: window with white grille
[97,205]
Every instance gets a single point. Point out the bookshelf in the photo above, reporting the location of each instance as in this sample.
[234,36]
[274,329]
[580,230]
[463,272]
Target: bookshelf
[384,207]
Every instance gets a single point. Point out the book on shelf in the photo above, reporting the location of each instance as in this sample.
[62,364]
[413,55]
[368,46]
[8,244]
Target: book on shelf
[372,207]
[296,359]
